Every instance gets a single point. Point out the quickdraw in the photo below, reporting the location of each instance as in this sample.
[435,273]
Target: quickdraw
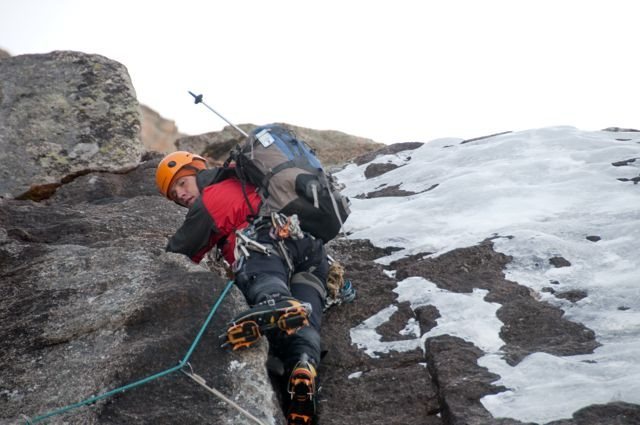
[284,227]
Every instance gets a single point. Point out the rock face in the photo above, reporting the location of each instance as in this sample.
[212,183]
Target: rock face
[89,300]
[157,133]
[440,383]
[355,388]
[62,114]
[4,54]
[332,147]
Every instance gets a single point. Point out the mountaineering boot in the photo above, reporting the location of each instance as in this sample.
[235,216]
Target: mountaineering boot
[286,315]
[302,390]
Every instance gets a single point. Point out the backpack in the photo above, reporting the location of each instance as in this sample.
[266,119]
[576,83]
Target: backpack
[290,179]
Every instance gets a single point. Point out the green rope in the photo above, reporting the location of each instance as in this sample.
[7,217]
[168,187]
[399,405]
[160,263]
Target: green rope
[124,388]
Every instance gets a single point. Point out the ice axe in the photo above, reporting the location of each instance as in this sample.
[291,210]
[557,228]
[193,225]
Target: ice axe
[198,99]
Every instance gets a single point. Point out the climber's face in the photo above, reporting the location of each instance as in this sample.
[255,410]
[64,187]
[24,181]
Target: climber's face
[185,191]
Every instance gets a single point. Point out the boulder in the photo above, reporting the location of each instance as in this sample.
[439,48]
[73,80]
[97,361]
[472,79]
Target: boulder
[63,114]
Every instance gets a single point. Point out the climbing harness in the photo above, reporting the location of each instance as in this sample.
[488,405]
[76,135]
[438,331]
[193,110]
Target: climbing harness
[281,227]
[285,227]
[244,243]
[179,367]
[340,290]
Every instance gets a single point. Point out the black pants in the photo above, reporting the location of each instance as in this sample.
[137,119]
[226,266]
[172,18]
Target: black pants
[267,276]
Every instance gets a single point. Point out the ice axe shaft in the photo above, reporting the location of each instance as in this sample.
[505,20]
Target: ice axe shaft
[198,99]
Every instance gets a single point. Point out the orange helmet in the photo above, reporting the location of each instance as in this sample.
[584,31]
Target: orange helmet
[172,164]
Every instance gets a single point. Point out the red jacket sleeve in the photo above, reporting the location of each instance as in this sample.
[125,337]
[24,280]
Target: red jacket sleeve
[214,217]
[197,235]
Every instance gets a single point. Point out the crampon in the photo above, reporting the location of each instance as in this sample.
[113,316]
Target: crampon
[286,316]
[302,389]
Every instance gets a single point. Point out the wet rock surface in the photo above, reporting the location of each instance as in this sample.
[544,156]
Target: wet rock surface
[444,373]
[394,388]
[605,414]
[529,325]
[460,382]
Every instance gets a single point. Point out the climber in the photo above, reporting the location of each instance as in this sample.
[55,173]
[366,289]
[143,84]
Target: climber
[281,270]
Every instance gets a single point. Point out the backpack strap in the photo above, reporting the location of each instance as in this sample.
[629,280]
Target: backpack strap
[238,170]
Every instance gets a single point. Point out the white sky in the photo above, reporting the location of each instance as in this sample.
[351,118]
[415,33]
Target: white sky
[389,70]
[549,188]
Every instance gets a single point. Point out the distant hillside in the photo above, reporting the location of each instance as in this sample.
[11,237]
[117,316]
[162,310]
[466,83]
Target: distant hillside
[157,133]
[332,147]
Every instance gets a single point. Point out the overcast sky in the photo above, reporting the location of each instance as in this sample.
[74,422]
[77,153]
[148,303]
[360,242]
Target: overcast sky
[392,71]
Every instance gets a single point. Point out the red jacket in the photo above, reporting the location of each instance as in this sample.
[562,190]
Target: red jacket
[219,211]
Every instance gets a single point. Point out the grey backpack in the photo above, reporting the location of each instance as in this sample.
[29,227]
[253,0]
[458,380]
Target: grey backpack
[290,180]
